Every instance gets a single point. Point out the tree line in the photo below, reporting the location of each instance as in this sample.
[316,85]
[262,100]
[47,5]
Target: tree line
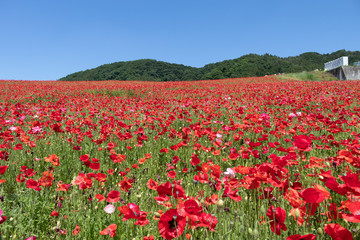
[245,66]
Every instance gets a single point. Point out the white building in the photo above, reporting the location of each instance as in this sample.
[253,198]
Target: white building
[342,61]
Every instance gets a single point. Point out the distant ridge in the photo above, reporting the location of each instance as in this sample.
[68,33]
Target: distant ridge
[245,66]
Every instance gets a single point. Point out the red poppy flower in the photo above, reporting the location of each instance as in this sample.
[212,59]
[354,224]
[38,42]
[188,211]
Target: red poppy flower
[303,143]
[178,191]
[164,189]
[95,166]
[54,213]
[352,181]
[31,183]
[76,230]
[57,128]
[207,220]
[3,169]
[2,218]
[118,158]
[151,184]
[18,147]
[311,195]
[130,211]
[212,200]
[99,197]
[203,178]
[135,166]
[354,208]
[101,177]
[142,160]
[195,160]
[165,150]
[142,220]
[84,158]
[171,224]
[47,179]
[161,199]
[303,237]
[113,196]
[125,185]
[192,210]
[110,230]
[277,218]
[232,194]
[83,181]
[294,198]
[338,232]
[4,155]
[111,145]
[341,189]
[149,238]
[171,174]
[63,186]
[53,159]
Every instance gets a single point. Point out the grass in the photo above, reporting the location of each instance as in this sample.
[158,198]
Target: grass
[129,93]
[309,76]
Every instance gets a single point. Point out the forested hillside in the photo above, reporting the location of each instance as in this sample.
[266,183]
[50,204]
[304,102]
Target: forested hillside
[245,66]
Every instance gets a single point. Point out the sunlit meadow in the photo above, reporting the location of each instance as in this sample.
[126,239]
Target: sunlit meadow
[249,158]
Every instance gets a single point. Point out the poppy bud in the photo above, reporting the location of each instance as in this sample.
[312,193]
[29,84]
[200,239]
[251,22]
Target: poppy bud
[235,213]
[220,203]
[297,213]
[256,232]
[156,214]
[250,231]
[262,209]
[320,231]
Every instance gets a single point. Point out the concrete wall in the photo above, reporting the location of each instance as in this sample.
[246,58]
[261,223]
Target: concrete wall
[338,73]
[351,73]
[346,73]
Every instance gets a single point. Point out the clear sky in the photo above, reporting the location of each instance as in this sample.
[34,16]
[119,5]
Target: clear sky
[49,39]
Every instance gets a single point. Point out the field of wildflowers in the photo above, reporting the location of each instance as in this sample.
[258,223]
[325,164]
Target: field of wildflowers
[249,158]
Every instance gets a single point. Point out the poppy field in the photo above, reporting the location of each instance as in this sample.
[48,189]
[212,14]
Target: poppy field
[245,158]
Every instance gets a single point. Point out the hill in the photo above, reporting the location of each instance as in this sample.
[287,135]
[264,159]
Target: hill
[245,66]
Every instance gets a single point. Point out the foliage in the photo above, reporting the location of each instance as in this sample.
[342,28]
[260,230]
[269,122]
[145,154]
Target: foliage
[144,69]
[245,66]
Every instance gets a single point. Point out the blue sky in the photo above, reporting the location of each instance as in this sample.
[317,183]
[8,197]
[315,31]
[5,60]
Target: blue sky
[49,39]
